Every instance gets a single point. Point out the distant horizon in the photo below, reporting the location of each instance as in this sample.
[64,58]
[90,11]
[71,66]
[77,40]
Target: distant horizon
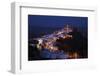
[38,23]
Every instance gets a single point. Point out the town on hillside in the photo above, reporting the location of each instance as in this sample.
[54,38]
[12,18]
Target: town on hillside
[65,43]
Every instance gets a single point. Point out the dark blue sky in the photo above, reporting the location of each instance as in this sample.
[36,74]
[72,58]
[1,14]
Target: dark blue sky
[40,20]
[38,23]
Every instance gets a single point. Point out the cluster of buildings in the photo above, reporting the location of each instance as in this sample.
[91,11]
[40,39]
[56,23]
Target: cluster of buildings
[48,41]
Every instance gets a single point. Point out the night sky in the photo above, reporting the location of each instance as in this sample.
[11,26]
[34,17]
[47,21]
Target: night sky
[47,24]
